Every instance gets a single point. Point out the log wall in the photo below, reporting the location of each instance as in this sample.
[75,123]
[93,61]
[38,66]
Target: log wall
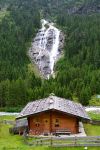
[50,121]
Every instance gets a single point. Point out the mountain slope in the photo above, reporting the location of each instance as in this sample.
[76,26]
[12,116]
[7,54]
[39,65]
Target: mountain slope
[77,73]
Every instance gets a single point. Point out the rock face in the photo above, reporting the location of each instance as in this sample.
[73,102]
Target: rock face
[46,48]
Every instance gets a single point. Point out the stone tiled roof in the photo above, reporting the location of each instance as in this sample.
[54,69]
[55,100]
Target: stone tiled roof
[54,103]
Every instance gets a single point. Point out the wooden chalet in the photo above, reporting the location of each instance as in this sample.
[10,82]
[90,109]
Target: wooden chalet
[53,115]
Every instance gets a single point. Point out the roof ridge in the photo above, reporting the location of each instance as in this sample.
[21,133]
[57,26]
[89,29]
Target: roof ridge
[56,97]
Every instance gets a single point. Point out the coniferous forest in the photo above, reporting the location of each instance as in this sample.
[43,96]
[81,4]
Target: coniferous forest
[77,72]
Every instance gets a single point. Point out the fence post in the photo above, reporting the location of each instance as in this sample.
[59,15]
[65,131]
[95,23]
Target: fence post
[41,142]
[37,143]
[51,142]
[75,140]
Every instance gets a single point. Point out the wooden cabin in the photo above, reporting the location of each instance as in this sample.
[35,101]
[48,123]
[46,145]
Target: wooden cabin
[53,115]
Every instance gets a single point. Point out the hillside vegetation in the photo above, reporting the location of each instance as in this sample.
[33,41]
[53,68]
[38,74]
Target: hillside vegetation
[77,73]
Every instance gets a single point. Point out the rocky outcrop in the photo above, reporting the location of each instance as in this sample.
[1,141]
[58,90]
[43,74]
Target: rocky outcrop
[46,48]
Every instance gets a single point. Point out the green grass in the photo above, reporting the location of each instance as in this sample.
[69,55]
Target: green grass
[7,117]
[94,116]
[92,130]
[15,142]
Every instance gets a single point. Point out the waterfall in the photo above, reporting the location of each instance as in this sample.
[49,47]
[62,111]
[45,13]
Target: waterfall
[45,48]
[54,51]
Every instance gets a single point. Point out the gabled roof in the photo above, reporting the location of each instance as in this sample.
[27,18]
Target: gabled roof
[54,103]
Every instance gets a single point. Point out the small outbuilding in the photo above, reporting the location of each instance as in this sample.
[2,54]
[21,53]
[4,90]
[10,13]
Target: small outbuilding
[20,126]
[53,115]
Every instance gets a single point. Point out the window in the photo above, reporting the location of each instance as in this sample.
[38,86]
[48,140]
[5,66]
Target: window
[57,123]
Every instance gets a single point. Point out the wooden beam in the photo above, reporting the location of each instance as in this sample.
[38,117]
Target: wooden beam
[50,122]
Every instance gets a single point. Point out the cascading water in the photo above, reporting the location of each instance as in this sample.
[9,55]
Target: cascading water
[54,52]
[45,48]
